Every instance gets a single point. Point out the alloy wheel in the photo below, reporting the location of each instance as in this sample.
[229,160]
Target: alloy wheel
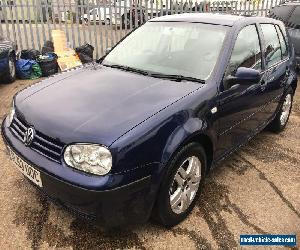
[286,109]
[185,185]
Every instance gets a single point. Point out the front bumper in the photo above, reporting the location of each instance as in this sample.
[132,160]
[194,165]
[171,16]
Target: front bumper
[115,203]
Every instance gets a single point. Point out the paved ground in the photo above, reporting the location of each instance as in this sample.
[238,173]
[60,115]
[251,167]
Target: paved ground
[256,191]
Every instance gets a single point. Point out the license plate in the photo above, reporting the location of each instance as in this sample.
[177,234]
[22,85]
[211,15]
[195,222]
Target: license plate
[30,172]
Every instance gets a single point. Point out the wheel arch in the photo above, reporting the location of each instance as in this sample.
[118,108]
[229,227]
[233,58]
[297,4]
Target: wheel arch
[202,137]
[207,143]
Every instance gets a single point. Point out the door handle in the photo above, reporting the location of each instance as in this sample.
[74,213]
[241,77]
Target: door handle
[263,85]
[262,82]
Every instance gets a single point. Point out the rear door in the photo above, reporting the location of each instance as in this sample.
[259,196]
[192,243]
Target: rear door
[277,66]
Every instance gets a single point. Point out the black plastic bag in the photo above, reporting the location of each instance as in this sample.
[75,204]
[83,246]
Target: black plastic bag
[48,64]
[85,53]
[48,47]
[30,54]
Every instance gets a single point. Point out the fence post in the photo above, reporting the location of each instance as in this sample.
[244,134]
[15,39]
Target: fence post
[1,29]
[72,23]
[12,22]
[40,5]
[66,21]
[16,14]
[24,26]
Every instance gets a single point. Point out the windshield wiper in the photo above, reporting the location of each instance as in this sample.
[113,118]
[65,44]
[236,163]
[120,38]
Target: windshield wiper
[177,78]
[126,68]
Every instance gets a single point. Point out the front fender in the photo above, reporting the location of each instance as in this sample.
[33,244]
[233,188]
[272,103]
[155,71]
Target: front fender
[192,127]
[158,138]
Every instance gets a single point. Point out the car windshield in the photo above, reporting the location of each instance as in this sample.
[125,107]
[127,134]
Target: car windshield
[171,48]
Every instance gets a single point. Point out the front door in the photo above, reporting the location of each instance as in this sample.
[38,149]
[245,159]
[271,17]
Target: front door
[239,104]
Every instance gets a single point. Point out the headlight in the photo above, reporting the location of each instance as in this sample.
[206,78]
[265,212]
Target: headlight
[90,158]
[11,113]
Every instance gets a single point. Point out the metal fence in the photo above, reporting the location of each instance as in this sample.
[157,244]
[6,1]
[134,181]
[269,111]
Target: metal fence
[102,23]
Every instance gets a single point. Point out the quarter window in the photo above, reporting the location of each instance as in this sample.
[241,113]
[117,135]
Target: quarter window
[282,42]
[272,44]
[246,51]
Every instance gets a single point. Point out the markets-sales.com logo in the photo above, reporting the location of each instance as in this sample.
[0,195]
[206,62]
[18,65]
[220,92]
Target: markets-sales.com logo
[267,240]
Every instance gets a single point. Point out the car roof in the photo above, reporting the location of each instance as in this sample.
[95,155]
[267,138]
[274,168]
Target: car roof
[211,18]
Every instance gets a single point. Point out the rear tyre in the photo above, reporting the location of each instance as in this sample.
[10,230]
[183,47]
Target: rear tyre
[281,119]
[181,185]
[10,75]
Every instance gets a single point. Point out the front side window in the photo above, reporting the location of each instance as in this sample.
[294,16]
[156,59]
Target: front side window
[171,48]
[272,44]
[246,51]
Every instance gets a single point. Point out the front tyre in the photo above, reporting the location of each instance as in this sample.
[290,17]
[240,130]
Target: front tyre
[181,185]
[280,121]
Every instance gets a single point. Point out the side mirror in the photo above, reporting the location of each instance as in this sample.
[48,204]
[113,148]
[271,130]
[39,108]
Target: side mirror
[108,50]
[244,76]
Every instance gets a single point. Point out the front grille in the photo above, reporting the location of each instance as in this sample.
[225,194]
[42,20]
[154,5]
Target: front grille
[42,144]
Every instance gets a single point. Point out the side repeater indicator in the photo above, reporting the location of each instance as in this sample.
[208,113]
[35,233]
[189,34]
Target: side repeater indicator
[214,110]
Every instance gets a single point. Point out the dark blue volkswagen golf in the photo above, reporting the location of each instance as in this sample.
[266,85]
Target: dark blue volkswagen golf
[135,134]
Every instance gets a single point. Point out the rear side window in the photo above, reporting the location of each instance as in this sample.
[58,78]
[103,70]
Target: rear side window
[294,20]
[282,40]
[281,12]
[272,44]
[246,51]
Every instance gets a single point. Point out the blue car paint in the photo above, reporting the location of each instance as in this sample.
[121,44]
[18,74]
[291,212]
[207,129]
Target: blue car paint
[143,123]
